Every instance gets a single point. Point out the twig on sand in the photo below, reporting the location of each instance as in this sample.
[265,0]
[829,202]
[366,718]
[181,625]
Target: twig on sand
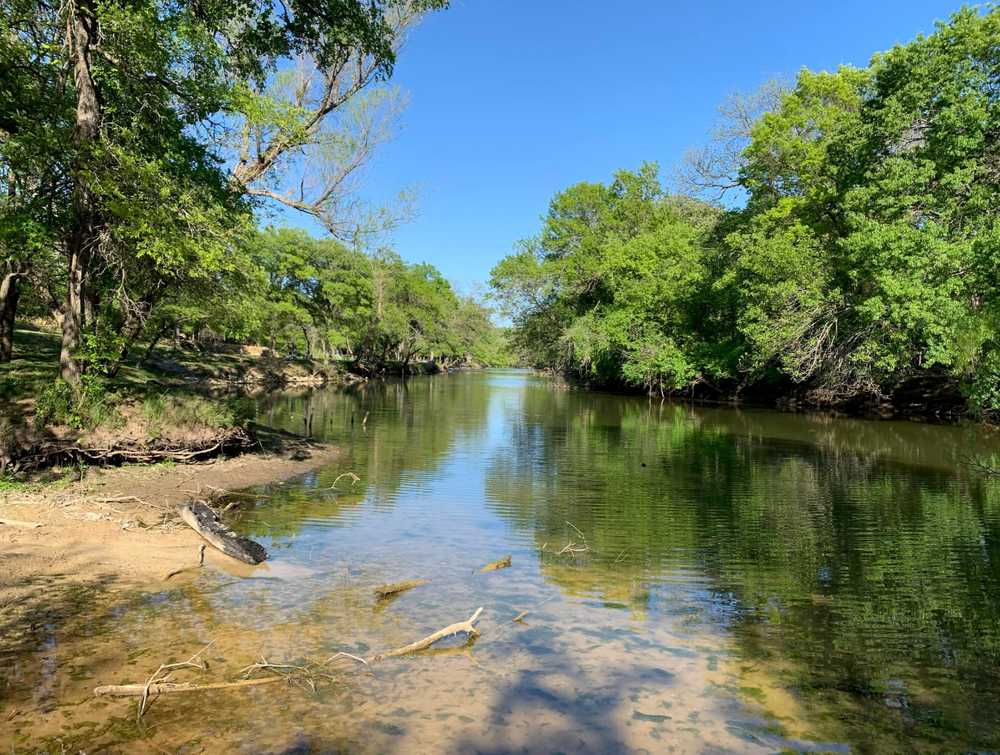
[500,563]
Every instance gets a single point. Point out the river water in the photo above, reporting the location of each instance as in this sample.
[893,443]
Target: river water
[695,580]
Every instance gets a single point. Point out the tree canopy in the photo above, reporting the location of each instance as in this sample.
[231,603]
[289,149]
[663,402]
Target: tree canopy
[864,259]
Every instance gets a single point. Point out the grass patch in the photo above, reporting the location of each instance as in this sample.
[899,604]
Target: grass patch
[189,412]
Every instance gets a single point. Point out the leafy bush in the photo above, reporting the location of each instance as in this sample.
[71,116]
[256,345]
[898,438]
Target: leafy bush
[9,387]
[54,405]
[92,406]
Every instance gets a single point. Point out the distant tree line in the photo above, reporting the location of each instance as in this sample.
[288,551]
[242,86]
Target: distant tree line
[856,258]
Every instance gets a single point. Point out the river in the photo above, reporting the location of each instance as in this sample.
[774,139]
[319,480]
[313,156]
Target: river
[695,580]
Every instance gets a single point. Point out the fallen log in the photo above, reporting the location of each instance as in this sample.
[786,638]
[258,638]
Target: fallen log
[204,521]
[395,588]
[500,563]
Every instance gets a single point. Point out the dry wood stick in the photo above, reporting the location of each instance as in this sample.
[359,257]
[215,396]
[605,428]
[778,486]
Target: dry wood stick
[467,626]
[160,688]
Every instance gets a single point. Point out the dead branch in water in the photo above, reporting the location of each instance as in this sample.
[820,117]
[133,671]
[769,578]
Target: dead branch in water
[162,674]
[500,563]
[467,626]
[163,688]
[582,536]
[159,683]
[354,479]
[395,588]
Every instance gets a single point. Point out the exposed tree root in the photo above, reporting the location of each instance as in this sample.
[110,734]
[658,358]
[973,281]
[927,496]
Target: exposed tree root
[50,453]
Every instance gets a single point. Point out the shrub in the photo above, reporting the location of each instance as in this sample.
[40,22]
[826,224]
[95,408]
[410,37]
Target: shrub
[92,406]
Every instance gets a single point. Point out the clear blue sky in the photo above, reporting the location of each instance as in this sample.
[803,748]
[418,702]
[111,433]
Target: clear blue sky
[512,100]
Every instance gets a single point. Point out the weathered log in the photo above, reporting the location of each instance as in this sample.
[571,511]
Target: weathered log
[204,521]
[394,588]
[501,563]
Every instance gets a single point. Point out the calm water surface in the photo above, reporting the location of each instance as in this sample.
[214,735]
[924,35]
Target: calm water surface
[736,581]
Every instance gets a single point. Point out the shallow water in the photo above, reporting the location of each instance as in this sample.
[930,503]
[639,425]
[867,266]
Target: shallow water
[737,580]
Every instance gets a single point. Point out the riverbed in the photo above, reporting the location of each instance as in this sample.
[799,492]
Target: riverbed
[691,579]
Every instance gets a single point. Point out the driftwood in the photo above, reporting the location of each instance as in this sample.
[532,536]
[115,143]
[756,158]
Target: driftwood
[161,688]
[19,524]
[204,521]
[395,588]
[467,626]
[500,563]
[157,684]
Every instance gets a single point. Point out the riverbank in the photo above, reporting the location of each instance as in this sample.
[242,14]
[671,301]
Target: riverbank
[116,526]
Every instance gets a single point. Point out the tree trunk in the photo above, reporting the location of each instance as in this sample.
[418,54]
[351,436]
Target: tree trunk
[83,231]
[9,294]
[153,342]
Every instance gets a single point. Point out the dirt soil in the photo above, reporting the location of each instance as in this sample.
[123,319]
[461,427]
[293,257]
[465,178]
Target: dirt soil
[117,524]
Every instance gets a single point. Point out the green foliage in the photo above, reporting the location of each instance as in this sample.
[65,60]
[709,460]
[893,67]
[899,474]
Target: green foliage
[864,259]
[90,407]
[190,412]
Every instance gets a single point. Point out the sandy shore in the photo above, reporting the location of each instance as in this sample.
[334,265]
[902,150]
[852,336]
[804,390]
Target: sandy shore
[116,524]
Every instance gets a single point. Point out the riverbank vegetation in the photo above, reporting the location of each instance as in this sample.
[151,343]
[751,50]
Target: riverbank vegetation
[146,151]
[856,259]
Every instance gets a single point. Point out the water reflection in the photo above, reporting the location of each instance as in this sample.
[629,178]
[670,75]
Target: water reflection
[696,579]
